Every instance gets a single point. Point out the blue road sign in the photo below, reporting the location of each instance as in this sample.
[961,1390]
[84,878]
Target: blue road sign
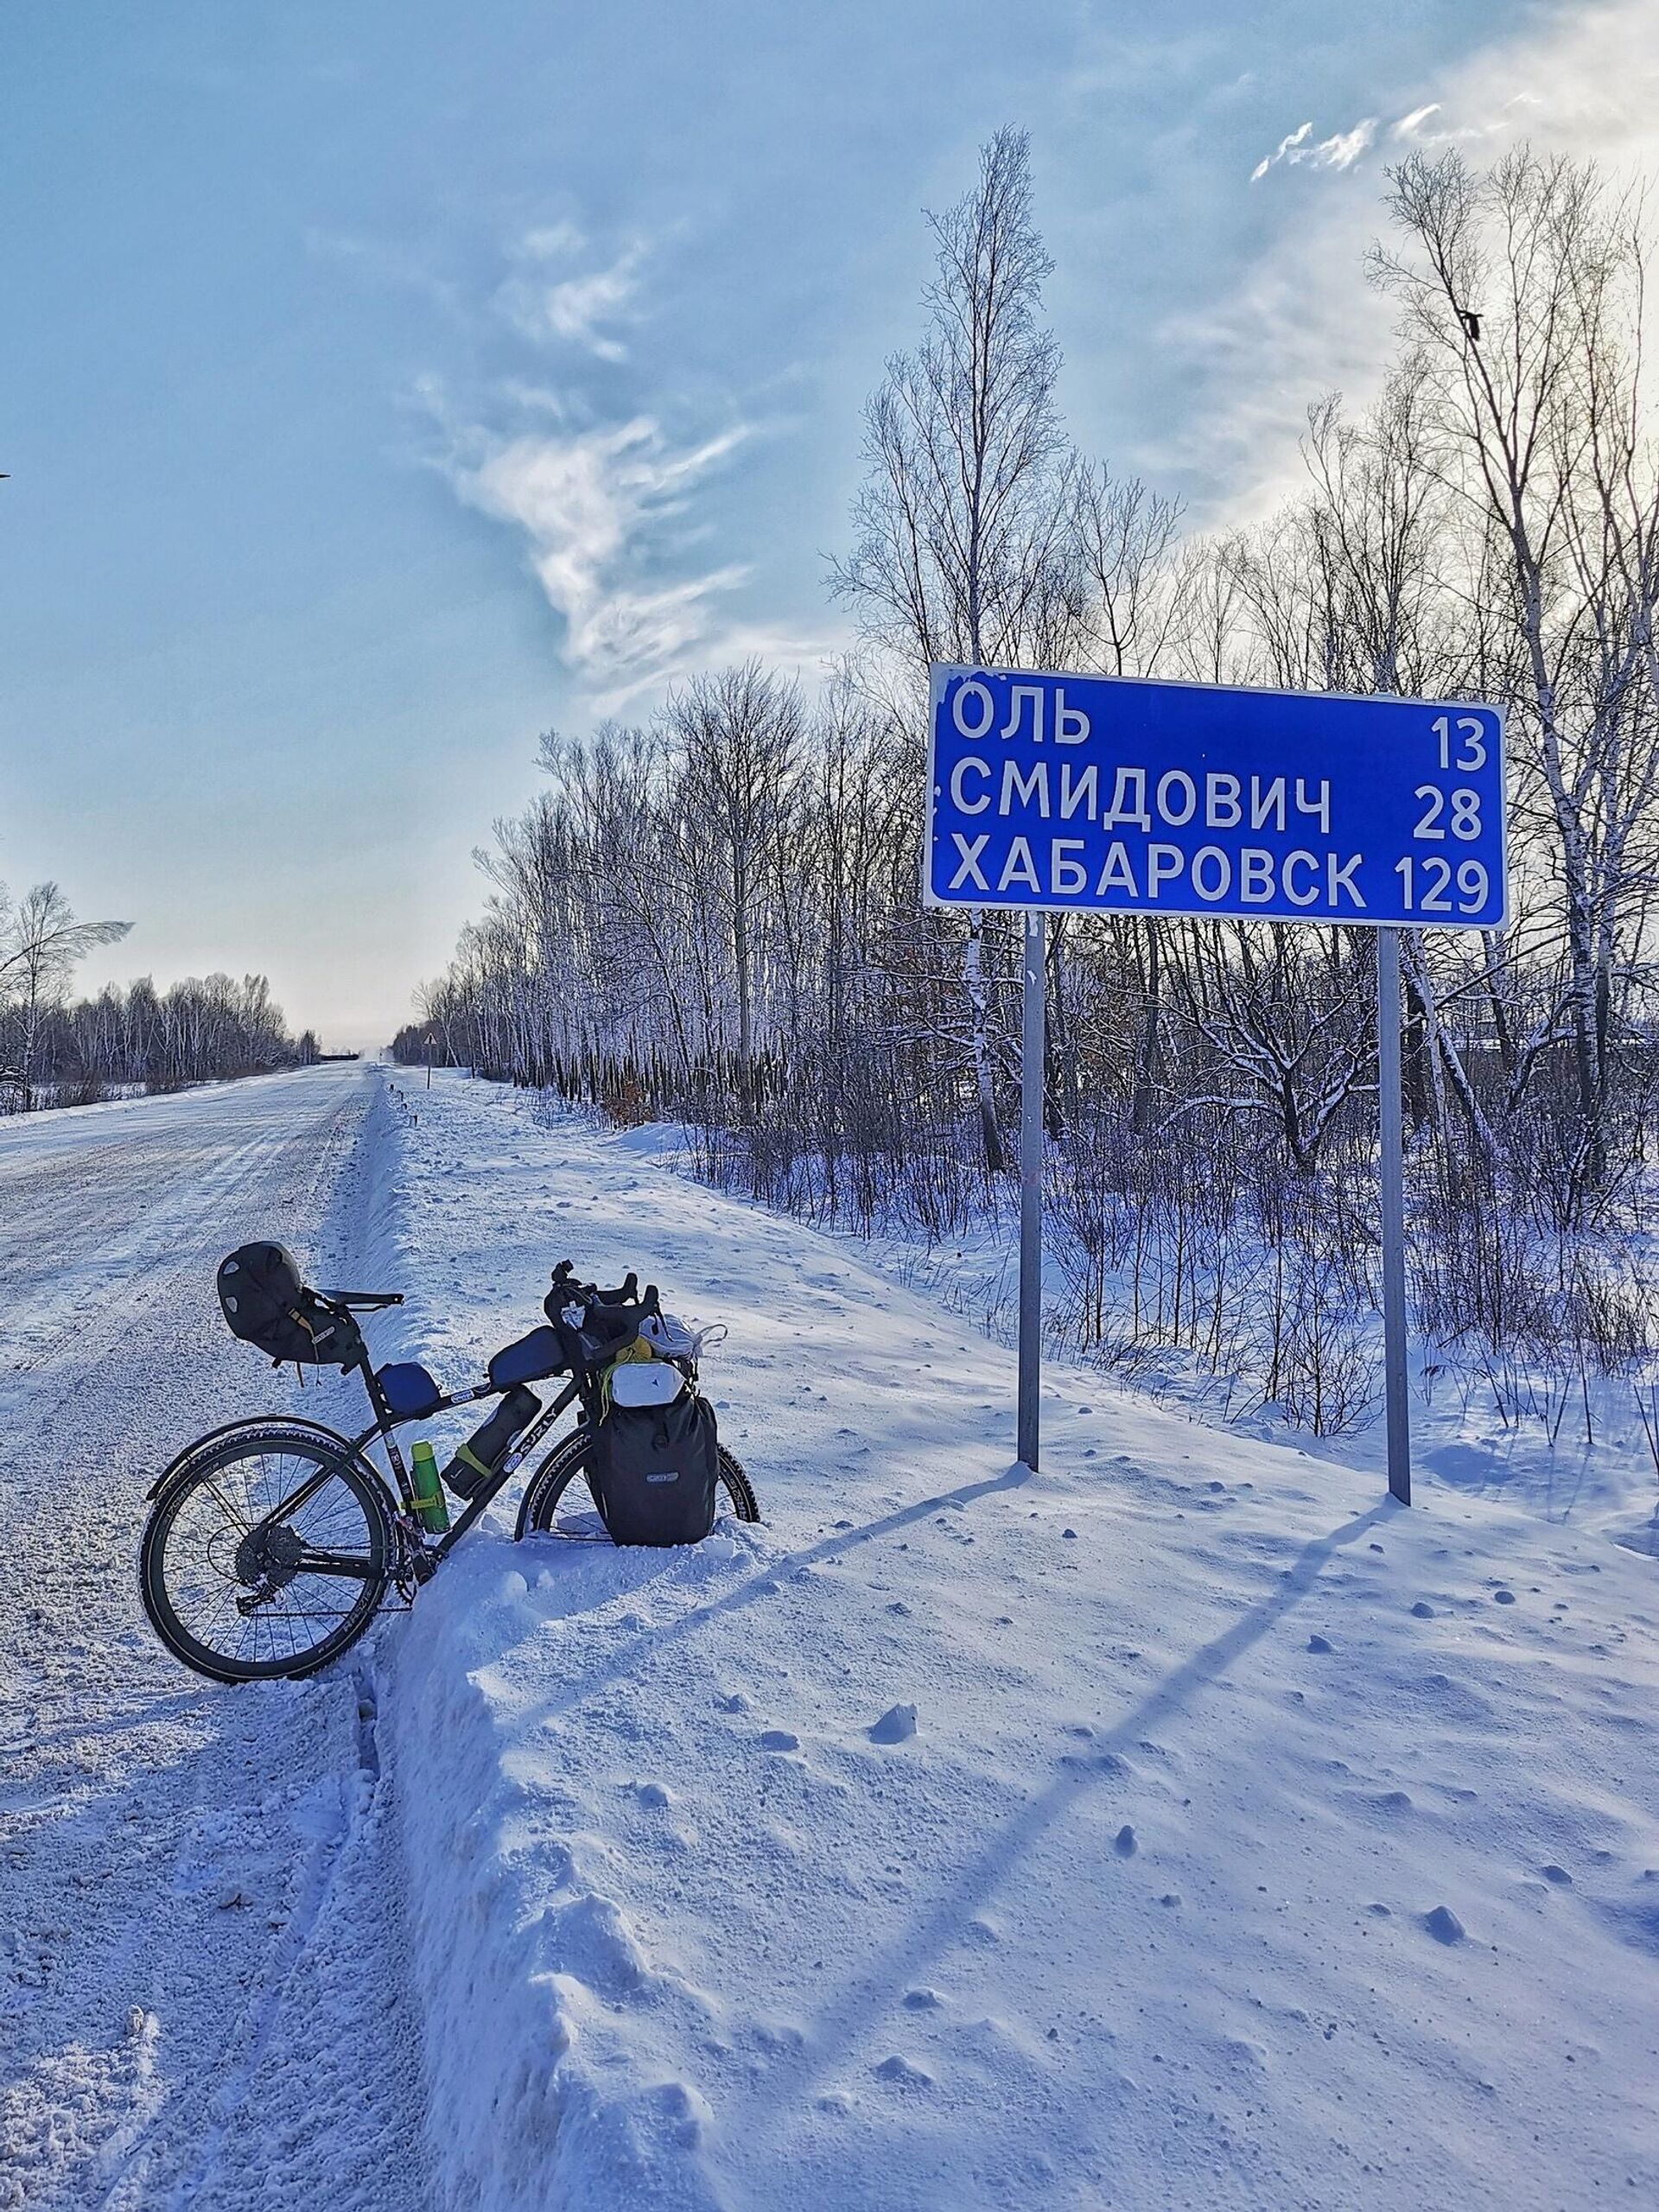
[1118,795]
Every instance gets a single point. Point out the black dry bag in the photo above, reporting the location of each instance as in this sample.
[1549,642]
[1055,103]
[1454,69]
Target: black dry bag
[267,1305]
[651,1471]
[484,1449]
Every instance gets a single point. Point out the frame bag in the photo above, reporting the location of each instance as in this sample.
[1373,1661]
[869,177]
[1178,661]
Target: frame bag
[652,1470]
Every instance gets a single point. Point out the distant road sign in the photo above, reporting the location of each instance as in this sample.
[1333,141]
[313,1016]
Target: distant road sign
[1119,795]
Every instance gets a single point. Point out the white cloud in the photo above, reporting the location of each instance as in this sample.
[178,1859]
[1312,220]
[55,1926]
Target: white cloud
[591,504]
[578,310]
[1409,125]
[552,242]
[1285,148]
[1339,151]
[581,310]
[1302,321]
[604,507]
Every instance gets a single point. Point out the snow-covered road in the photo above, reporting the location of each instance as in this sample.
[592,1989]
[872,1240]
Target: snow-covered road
[201,1995]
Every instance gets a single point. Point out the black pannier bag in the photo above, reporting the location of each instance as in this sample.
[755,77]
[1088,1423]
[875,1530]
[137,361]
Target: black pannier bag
[651,1471]
[267,1306]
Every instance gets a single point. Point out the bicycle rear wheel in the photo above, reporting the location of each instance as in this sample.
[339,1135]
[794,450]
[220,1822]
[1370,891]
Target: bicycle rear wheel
[267,1557]
[550,1508]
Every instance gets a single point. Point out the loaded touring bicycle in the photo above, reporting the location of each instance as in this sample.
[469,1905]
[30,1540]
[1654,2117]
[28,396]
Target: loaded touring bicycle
[272,1542]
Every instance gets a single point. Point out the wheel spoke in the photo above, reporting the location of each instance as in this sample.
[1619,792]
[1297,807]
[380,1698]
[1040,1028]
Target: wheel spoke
[315,1556]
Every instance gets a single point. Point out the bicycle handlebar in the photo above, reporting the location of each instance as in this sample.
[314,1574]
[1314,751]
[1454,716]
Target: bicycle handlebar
[564,1276]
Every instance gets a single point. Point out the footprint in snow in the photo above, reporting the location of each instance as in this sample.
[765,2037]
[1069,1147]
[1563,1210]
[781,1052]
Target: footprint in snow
[1320,1644]
[922,2000]
[734,1701]
[779,1740]
[907,2076]
[896,1726]
[1444,1925]
[588,1939]
[1124,1843]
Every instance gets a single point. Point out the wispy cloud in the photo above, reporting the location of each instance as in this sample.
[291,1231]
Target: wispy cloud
[397,267]
[1511,116]
[1409,125]
[578,310]
[587,309]
[1283,150]
[1299,149]
[605,502]
[1302,321]
[595,504]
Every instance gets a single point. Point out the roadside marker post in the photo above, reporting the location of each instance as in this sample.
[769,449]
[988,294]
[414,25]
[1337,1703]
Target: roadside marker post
[1061,794]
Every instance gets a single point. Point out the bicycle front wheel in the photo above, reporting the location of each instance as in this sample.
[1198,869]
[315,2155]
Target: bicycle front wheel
[557,1504]
[270,1556]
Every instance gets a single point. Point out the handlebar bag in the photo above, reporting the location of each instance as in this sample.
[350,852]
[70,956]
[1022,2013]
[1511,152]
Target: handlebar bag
[651,1469]
[267,1306]
[592,1332]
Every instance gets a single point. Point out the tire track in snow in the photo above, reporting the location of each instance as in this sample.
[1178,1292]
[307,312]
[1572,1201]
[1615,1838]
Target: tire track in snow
[201,1995]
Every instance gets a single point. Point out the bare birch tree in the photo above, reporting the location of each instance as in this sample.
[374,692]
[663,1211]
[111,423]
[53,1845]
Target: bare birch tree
[960,526]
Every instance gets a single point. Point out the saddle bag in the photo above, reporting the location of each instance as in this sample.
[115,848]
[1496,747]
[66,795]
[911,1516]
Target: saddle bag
[267,1305]
[652,1468]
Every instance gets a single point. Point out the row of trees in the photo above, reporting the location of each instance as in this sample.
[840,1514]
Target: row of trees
[59,1053]
[717,915]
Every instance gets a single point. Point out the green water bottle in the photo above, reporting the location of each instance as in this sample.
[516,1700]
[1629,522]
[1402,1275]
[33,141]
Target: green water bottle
[430,1509]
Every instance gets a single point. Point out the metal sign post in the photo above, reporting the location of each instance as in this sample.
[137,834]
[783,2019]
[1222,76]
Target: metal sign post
[1113,794]
[1391,1147]
[1031,1188]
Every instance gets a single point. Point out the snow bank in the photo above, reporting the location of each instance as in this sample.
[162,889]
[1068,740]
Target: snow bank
[1184,1827]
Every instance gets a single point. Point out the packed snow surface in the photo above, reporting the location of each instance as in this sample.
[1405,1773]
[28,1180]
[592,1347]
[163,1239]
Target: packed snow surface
[1182,1826]
[203,2000]
[1185,1825]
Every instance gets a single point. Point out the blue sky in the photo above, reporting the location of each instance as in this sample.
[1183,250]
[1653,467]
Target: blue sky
[382,384]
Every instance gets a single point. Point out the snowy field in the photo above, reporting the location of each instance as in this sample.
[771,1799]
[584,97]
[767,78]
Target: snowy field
[1182,1827]
[1257,1843]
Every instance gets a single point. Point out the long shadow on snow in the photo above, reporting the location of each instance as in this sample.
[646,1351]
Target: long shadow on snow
[766,1584]
[865,2000]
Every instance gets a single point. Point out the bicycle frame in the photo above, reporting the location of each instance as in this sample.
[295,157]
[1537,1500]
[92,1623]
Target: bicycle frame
[386,1421]
[420,1555]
